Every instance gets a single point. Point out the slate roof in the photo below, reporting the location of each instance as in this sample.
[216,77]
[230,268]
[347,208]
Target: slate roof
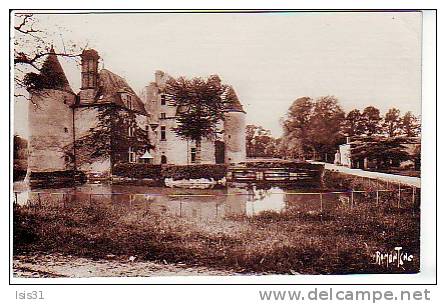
[234,104]
[110,88]
[53,73]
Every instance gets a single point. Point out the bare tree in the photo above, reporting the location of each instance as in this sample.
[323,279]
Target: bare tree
[32,44]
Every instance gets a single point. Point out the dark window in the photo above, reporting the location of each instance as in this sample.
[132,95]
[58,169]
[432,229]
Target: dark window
[66,130]
[163,115]
[131,132]
[163,159]
[163,100]
[219,152]
[129,102]
[163,133]
[193,155]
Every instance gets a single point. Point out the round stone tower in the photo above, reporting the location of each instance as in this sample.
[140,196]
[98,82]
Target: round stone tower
[234,130]
[50,120]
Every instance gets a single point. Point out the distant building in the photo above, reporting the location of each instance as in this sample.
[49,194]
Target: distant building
[108,123]
[345,154]
[345,158]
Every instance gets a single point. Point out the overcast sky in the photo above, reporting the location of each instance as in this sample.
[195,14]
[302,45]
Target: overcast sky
[270,59]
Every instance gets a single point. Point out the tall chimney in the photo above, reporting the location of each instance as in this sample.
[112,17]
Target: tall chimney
[89,75]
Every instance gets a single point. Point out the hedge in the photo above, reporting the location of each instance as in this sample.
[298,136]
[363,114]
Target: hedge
[137,170]
[56,178]
[194,171]
[176,172]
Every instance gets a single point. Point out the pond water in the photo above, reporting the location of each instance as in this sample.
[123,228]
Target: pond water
[209,204]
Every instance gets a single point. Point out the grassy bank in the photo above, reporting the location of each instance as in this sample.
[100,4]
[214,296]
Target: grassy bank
[342,240]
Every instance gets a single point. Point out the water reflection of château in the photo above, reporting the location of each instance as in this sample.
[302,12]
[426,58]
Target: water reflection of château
[193,204]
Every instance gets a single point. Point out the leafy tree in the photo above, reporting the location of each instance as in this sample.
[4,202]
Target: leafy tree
[200,104]
[392,122]
[312,128]
[326,126]
[410,125]
[259,142]
[295,142]
[272,148]
[20,144]
[354,123]
[372,119]
[250,133]
[110,137]
[20,160]
[416,157]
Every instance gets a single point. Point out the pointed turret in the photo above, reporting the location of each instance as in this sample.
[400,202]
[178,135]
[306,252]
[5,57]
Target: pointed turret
[52,75]
[233,104]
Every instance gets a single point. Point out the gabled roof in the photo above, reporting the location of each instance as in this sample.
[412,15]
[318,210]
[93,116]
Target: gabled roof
[110,88]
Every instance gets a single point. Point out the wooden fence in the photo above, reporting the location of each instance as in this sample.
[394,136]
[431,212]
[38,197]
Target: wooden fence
[297,176]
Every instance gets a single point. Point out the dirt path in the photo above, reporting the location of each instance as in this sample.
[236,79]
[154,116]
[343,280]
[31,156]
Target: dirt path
[406,180]
[56,266]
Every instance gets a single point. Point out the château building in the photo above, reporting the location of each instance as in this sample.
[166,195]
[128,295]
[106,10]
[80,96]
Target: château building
[107,123]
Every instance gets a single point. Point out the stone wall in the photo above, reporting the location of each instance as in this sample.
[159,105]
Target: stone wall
[178,151]
[50,131]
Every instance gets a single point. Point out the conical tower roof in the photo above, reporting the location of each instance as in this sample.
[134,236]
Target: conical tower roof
[52,73]
[233,103]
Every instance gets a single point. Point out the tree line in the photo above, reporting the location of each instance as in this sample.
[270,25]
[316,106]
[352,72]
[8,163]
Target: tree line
[313,129]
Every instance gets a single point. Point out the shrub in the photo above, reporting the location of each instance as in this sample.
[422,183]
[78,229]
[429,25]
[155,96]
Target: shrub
[137,170]
[194,171]
[169,171]
[56,179]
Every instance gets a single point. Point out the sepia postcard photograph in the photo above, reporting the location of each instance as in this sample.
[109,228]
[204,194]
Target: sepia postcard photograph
[162,145]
